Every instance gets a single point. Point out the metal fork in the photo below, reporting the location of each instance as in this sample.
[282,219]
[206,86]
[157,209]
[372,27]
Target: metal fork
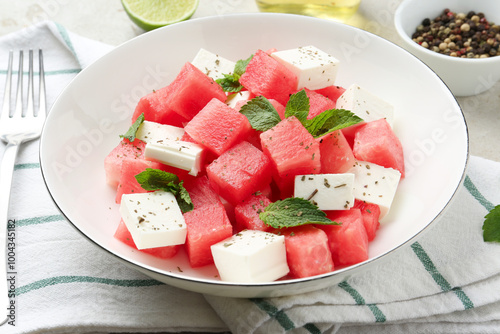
[16,127]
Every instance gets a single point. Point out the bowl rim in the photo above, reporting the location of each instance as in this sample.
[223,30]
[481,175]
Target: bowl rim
[409,41]
[353,269]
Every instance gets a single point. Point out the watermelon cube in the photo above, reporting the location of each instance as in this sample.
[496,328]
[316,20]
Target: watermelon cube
[218,127]
[166,252]
[348,242]
[201,192]
[239,172]
[376,142]
[205,226]
[332,92]
[247,214]
[336,153]
[190,91]
[371,215]
[113,161]
[307,251]
[318,103]
[292,150]
[265,76]
[155,109]
[130,168]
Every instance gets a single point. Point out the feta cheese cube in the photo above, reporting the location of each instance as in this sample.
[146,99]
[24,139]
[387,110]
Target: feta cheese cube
[233,99]
[154,219]
[251,256]
[375,184]
[152,132]
[365,104]
[212,64]
[180,154]
[314,68]
[327,191]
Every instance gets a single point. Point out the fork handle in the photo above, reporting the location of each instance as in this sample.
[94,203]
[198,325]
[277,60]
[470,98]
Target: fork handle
[6,171]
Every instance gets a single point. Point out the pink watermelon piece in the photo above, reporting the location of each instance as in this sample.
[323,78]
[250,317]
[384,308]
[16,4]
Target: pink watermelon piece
[348,242]
[155,109]
[293,151]
[376,142]
[113,161]
[123,234]
[371,215]
[218,127]
[307,251]
[336,153]
[205,226]
[190,91]
[267,77]
[331,92]
[201,192]
[247,214]
[318,103]
[239,172]
[128,183]
[279,108]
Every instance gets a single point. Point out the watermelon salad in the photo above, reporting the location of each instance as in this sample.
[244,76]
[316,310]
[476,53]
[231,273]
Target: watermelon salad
[263,167]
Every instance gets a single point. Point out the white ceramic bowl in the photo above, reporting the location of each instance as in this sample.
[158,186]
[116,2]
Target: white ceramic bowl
[464,77]
[86,120]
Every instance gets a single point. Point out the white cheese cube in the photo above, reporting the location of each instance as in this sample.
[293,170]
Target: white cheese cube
[233,99]
[251,256]
[212,64]
[152,132]
[314,68]
[180,154]
[154,219]
[375,184]
[327,191]
[365,104]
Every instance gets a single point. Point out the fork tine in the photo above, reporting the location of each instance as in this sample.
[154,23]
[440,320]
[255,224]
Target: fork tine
[19,94]
[30,103]
[42,108]
[8,84]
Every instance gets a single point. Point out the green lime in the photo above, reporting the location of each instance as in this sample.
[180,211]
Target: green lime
[152,14]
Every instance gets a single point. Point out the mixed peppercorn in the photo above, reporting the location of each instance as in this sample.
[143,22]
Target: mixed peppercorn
[459,35]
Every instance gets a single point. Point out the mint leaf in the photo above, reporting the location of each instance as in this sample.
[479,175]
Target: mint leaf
[330,120]
[491,225]
[132,131]
[230,83]
[260,113]
[298,106]
[155,179]
[293,211]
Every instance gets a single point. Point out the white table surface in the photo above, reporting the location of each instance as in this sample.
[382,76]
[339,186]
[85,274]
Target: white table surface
[106,21]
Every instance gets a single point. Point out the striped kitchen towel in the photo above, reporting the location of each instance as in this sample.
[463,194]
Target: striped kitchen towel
[446,282]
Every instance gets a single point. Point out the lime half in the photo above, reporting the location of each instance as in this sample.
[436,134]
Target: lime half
[152,14]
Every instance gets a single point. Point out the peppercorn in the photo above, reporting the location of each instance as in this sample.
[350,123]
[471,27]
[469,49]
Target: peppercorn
[462,35]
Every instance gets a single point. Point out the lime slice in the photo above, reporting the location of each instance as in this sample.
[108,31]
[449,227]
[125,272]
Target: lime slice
[152,14]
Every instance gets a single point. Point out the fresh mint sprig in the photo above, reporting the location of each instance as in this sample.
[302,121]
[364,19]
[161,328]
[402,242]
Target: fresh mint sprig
[260,113]
[132,131]
[293,211]
[491,225]
[231,82]
[155,179]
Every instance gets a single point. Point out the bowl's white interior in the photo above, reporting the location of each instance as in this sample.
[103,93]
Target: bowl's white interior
[86,120]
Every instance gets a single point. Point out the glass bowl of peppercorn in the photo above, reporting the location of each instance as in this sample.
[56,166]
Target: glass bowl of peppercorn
[458,39]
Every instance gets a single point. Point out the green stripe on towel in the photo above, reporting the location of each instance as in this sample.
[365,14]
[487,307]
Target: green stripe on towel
[438,278]
[26,166]
[38,220]
[85,279]
[377,313]
[477,194]
[281,316]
